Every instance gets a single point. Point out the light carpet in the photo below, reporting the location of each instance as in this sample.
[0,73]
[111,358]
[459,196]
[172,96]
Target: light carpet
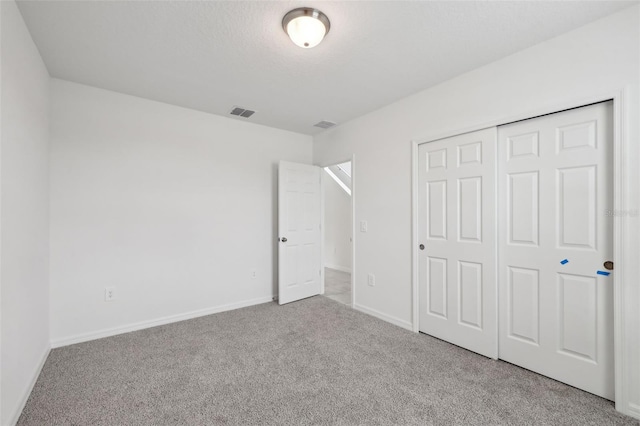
[315,361]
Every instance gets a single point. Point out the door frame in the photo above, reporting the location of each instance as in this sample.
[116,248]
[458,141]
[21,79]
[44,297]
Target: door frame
[621,185]
[352,159]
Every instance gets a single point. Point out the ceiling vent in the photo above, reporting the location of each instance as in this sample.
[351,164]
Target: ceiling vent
[324,124]
[241,112]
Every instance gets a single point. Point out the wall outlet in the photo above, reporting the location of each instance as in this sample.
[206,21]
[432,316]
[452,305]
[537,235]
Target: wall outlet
[371,280]
[109,294]
[254,274]
[363,226]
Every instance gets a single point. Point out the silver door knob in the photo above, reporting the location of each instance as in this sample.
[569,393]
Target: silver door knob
[421,246]
[284,239]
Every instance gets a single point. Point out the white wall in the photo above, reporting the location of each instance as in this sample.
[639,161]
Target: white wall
[337,225]
[598,58]
[24,194]
[171,206]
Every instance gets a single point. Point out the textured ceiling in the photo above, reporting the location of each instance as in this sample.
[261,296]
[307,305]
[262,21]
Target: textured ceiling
[212,55]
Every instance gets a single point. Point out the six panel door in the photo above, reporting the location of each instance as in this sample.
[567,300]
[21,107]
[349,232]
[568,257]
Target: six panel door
[457,233]
[556,309]
[299,255]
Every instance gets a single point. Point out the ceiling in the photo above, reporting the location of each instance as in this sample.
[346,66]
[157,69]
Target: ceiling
[213,55]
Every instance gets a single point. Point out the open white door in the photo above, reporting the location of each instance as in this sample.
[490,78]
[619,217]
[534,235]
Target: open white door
[299,254]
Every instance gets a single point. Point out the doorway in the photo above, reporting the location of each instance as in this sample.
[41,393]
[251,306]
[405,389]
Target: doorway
[337,184]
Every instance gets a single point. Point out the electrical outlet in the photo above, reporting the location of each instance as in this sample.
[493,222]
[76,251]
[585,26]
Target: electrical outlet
[109,294]
[363,226]
[371,280]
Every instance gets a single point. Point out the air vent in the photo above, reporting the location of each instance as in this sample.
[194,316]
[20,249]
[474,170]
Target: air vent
[241,112]
[324,124]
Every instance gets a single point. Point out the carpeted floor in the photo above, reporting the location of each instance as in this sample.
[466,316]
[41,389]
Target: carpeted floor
[311,362]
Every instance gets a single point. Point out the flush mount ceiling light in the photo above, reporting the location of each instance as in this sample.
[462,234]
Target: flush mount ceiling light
[306,26]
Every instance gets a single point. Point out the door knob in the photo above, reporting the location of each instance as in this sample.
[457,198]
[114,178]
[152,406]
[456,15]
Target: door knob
[284,239]
[421,246]
[608,265]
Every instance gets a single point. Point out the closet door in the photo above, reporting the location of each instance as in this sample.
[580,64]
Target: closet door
[457,237]
[556,300]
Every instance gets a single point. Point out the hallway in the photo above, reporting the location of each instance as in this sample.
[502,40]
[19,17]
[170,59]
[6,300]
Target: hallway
[337,286]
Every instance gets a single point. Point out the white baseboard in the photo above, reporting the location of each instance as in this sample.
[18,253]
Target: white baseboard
[388,318]
[23,401]
[634,410]
[85,337]
[338,267]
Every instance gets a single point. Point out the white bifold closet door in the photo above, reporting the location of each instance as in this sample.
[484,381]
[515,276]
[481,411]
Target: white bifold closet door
[457,237]
[555,188]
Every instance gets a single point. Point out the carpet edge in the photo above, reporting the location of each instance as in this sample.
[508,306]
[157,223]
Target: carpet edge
[388,318]
[25,397]
[108,332]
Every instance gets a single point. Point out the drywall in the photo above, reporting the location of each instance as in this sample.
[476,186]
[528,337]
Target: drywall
[337,225]
[24,221]
[601,57]
[210,55]
[174,208]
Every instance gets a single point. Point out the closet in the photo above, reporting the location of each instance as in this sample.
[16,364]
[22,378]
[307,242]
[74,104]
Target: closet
[516,244]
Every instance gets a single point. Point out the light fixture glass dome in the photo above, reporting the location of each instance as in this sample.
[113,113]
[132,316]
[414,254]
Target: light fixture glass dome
[306,26]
